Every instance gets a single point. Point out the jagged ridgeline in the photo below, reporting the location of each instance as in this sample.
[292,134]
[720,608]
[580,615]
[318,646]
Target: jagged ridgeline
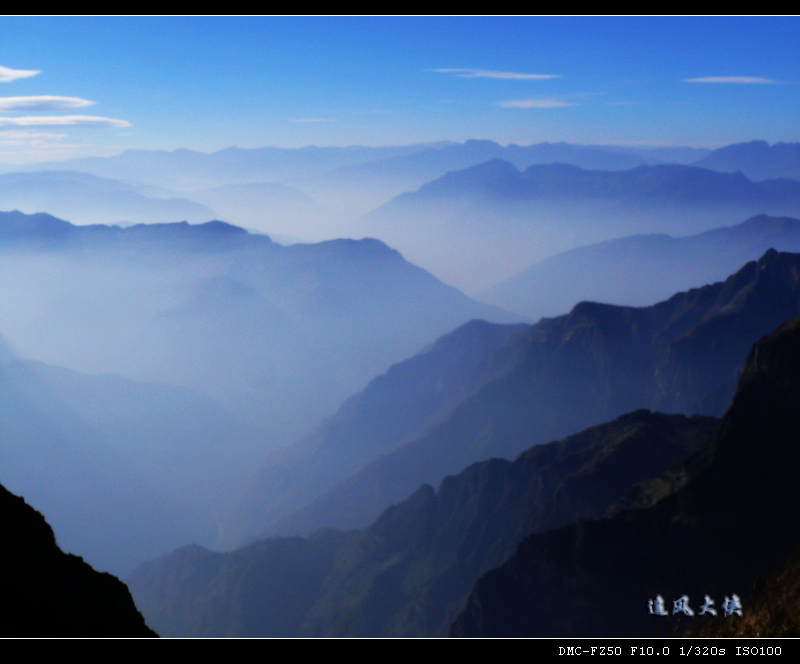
[48,593]
[729,521]
[407,572]
[523,386]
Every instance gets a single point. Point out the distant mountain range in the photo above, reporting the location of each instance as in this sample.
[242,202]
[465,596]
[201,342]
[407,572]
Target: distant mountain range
[641,269]
[494,209]
[375,182]
[710,529]
[47,593]
[188,169]
[758,160]
[89,199]
[260,187]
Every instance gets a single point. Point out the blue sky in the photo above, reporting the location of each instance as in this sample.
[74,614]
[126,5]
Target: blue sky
[207,83]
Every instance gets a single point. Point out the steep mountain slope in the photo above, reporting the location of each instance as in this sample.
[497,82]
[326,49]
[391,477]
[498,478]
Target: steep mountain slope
[410,571]
[758,160]
[596,363]
[392,410]
[731,520]
[643,269]
[494,209]
[47,593]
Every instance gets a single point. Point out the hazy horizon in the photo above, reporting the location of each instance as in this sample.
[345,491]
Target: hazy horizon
[179,82]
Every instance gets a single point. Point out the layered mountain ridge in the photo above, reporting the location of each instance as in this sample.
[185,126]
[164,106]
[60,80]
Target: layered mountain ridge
[730,522]
[567,373]
[410,571]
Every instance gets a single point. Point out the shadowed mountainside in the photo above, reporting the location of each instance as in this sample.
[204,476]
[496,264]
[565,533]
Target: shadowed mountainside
[730,520]
[595,363]
[409,573]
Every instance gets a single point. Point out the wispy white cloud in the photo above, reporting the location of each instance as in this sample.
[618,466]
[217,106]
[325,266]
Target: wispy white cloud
[63,121]
[742,80]
[487,73]
[313,120]
[535,103]
[41,103]
[8,75]
[21,134]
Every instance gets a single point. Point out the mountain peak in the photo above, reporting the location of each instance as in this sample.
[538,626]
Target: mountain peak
[221,227]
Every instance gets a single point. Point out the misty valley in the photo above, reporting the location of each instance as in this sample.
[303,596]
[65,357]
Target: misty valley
[274,437]
[400,327]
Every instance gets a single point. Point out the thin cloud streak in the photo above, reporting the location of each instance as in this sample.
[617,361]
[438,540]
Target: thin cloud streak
[534,103]
[41,103]
[8,75]
[486,73]
[63,121]
[16,134]
[741,80]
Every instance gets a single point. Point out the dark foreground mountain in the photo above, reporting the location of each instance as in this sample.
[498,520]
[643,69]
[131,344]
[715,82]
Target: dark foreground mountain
[47,593]
[594,364]
[711,530]
[409,573]
[773,609]
[642,269]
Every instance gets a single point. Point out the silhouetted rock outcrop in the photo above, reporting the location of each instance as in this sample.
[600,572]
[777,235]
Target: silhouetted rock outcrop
[47,593]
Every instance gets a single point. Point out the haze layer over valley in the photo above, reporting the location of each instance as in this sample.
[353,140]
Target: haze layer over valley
[361,326]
